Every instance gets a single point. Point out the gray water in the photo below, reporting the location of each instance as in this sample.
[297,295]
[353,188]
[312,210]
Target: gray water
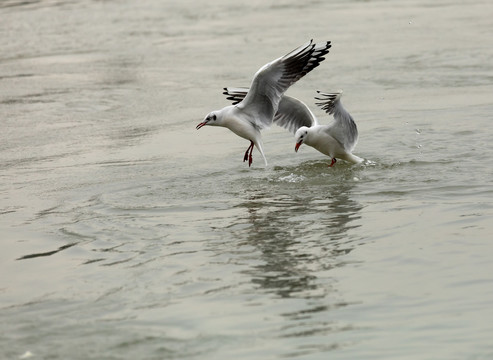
[127,234]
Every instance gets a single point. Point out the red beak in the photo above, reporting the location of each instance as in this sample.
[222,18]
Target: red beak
[200,125]
[297,146]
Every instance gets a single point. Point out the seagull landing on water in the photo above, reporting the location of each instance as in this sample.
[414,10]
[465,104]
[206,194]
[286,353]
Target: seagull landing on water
[337,139]
[256,110]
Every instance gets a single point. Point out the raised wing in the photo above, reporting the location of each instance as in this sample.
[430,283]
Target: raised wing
[291,113]
[274,78]
[343,128]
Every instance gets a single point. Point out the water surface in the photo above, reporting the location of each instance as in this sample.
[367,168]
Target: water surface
[126,233]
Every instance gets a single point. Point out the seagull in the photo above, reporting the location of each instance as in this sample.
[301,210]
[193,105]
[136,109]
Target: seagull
[256,110]
[337,139]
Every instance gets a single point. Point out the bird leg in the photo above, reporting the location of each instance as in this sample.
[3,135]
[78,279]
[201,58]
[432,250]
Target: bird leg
[248,154]
[245,158]
[250,159]
[332,163]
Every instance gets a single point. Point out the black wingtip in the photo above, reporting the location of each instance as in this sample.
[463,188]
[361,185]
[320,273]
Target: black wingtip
[327,101]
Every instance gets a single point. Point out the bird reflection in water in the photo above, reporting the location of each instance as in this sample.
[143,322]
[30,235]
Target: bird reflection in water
[301,230]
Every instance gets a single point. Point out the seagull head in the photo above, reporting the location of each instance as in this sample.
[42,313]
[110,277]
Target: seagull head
[300,137]
[210,119]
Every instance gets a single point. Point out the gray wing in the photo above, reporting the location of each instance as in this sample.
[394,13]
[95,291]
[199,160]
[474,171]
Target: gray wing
[274,78]
[343,128]
[291,113]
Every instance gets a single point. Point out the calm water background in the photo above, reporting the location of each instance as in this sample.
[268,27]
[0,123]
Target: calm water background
[126,233]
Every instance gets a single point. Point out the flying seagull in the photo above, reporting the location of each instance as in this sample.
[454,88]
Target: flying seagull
[257,109]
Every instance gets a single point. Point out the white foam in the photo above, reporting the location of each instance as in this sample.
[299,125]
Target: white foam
[292,178]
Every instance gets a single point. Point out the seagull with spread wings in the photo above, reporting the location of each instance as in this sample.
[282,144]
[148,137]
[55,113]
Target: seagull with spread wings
[336,139]
[256,110]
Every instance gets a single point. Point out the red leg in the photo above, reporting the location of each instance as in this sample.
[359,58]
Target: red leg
[332,163]
[250,159]
[247,155]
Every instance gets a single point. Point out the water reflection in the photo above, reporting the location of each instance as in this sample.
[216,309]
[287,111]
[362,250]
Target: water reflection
[300,229]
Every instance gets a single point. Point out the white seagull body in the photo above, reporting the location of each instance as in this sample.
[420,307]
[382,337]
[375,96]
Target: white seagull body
[256,109]
[336,140]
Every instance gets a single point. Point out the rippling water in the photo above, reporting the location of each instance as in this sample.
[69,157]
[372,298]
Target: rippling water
[126,233]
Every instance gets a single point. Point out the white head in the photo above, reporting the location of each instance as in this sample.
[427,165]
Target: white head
[300,136]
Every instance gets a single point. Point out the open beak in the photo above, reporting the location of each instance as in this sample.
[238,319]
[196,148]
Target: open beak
[201,124]
[297,146]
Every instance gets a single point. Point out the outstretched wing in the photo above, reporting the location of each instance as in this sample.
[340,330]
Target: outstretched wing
[343,128]
[274,78]
[291,113]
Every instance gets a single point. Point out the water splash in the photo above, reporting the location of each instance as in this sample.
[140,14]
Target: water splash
[292,178]
[368,162]
[418,145]
[26,355]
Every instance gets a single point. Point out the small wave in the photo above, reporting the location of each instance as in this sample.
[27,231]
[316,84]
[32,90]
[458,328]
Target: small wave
[47,253]
[292,178]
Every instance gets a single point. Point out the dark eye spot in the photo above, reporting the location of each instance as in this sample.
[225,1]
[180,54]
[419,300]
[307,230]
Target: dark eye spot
[214,117]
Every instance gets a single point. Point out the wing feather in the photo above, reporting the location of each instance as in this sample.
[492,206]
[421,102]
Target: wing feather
[274,78]
[343,128]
